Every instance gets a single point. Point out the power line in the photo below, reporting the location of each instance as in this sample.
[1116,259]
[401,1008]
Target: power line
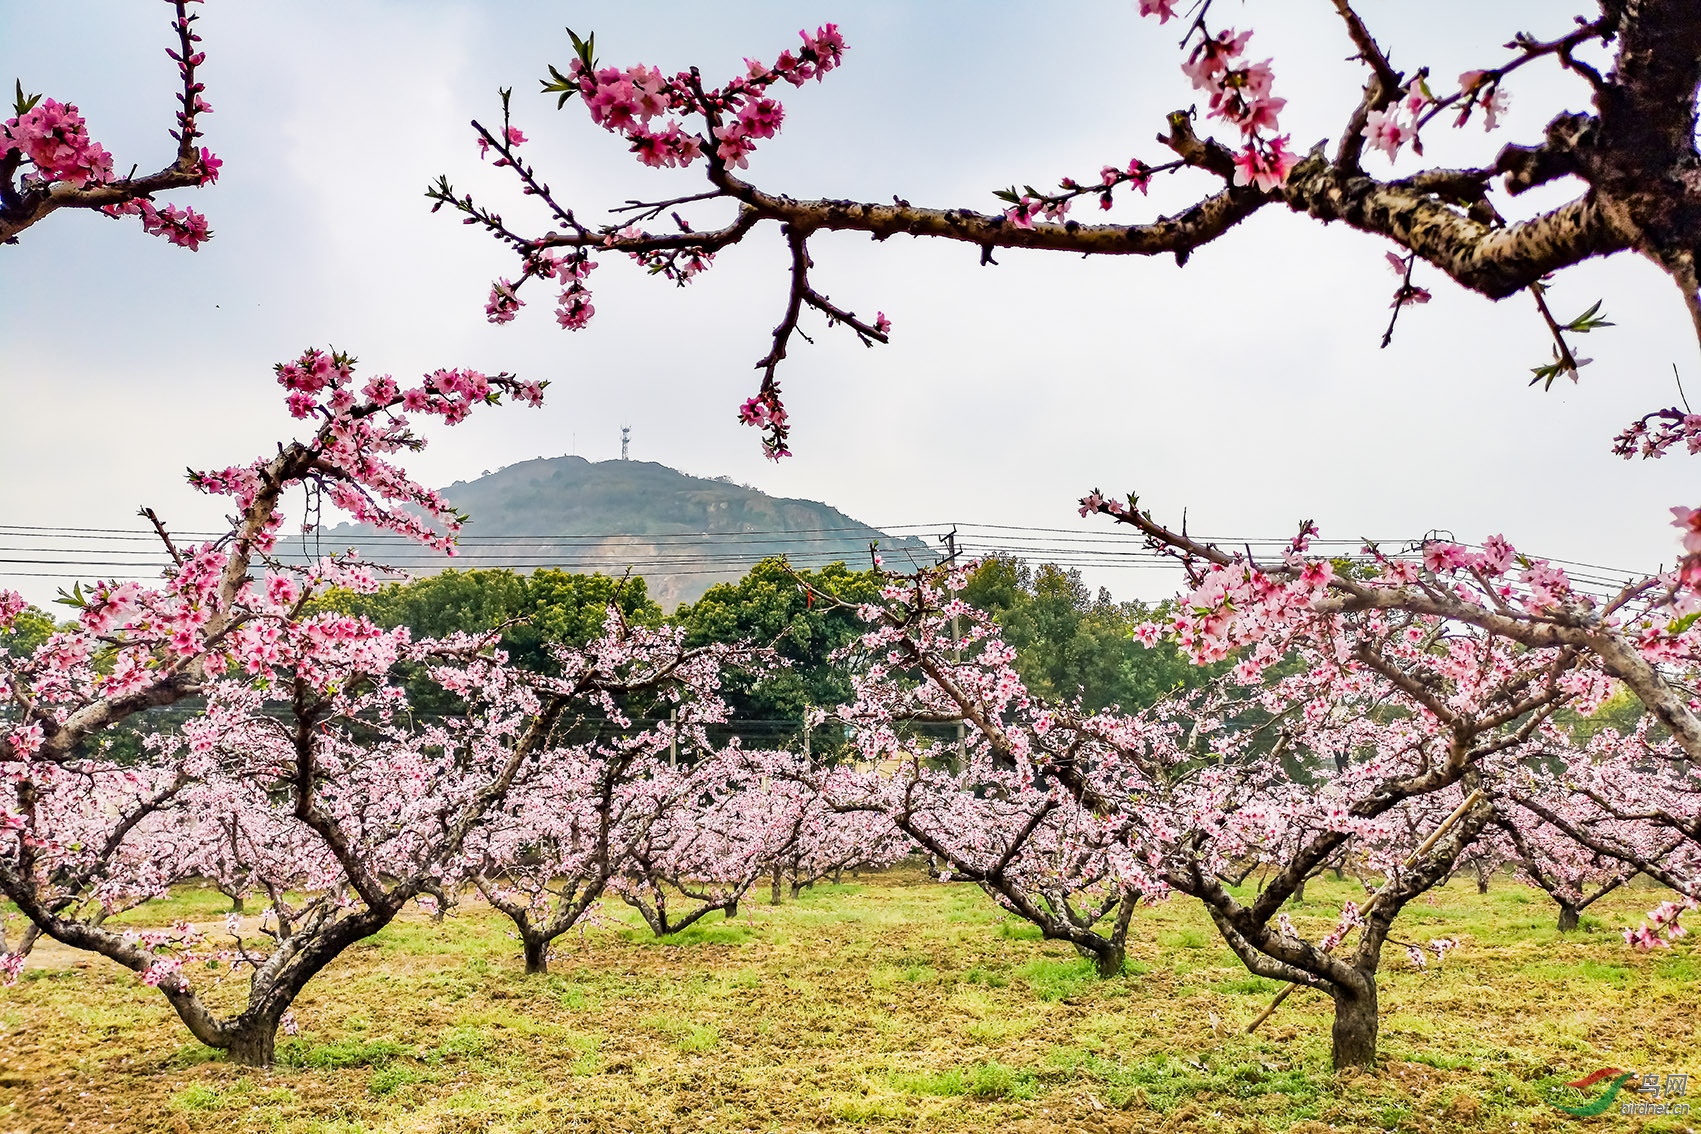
[687,553]
[138,534]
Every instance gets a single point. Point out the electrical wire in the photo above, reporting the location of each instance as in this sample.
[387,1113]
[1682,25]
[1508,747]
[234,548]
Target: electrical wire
[79,552]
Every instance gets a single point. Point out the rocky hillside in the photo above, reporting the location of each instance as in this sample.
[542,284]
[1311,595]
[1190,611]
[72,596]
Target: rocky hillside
[680,532]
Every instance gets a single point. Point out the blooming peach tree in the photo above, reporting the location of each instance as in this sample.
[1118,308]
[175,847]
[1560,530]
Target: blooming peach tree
[1404,732]
[1040,851]
[300,768]
[579,816]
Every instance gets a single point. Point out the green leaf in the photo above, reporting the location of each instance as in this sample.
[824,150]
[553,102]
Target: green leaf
[585,49]
[1588,320]
[25,103]
[559,84]
[74,597]
[1547,372]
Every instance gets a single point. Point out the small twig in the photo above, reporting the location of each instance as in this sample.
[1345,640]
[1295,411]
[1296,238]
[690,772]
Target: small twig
[1370,53]
[1405,294]
[165,536]
[534,187]
[650,210]
[1532,49]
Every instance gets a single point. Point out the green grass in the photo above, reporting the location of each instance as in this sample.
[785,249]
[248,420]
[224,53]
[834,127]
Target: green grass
[398,1077]
[1058,978]
[244,1093]
[709,931]
[338,1054]
[981,1080]
[685,1035]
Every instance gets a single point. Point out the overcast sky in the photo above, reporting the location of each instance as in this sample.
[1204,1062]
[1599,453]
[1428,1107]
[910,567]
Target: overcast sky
[1247,388]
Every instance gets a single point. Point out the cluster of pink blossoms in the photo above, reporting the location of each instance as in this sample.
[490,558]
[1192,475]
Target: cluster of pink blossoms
[515,138]
[649,110]
[183,227]
[575,309]
[1441,945]
[1138,174]
[1391,128]
[1407,293]
[1656,433]
[626,101]
[1688,521]
[1493,104]
[1661,927]
[1539,585]
[764,412]
[1652,436]
[53,138]
[504,304]
[629,101]
[1387,130]
[359,427]
[26,740]
[680,265]
[1027,206]
[1239,94]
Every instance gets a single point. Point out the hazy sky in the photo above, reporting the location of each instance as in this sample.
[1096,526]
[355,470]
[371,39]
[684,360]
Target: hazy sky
[1246,388]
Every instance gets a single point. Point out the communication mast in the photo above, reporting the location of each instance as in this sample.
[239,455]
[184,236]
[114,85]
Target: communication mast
[625,440]
[949,539]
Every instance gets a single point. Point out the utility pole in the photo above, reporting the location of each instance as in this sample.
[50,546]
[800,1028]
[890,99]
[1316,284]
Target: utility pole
[673,738]
[949,539]
[625,440]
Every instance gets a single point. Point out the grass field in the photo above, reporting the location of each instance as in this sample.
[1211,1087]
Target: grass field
[892,1004]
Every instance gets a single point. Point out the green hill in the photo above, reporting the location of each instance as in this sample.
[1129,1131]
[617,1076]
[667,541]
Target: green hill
[682,533]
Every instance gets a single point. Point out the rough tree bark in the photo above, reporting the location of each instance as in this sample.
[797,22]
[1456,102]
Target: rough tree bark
[537,953]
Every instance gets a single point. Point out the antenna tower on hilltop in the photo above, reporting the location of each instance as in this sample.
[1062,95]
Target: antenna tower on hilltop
[625,440]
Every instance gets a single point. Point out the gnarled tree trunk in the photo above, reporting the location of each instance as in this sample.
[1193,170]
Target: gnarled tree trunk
[255,1045]
[1110,961]
[1353,1037]
[537,953]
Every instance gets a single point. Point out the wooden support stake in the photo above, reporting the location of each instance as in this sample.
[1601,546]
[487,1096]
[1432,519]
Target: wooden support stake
[1428,844]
